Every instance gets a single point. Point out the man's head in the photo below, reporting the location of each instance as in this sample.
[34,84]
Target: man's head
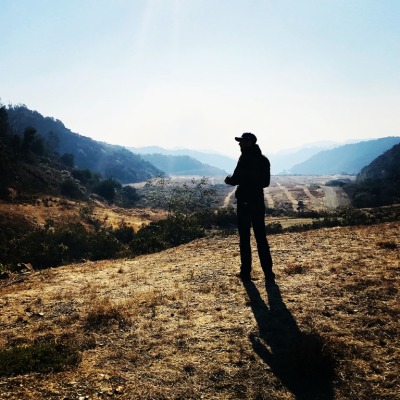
[246,140]
[248,137]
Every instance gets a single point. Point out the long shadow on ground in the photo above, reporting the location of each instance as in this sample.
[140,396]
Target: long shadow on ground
[299,360]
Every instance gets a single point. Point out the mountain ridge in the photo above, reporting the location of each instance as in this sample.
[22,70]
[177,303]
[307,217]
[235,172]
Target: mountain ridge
[347,159]
[108,160]
[378,183]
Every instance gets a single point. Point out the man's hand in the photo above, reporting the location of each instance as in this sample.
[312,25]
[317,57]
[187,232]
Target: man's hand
[228,180]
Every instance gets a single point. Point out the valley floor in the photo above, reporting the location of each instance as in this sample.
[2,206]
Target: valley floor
[180,325]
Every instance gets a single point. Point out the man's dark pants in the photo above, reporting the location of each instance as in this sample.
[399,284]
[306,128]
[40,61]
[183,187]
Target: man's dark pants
[253,214]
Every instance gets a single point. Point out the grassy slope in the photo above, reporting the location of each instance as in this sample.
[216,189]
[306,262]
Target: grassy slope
[179,324]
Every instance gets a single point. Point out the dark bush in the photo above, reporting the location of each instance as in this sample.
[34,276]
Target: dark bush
[85,177]
[69,188]
[103,245]
[51,245]
[38,357]
[124,233]
[107,188]
[170,232]
[129,196]
[273,227]
[223,218]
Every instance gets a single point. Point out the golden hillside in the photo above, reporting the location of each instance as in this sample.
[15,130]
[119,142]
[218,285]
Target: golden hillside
[180,325]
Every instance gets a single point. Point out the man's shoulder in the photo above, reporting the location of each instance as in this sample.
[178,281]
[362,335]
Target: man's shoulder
[265,159]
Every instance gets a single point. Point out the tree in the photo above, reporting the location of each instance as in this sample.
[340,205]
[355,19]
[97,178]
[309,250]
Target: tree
[29,137]
[107,188]
[31,142]
[183,199]
[68,159]
[184,203]
[4,127]
[300,206]
[52,142]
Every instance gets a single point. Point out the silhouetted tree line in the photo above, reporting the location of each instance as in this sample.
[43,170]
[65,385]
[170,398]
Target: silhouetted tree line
[31,162]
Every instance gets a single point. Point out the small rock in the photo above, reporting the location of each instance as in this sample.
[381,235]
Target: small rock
[24,267]
[119,389]
[4,275]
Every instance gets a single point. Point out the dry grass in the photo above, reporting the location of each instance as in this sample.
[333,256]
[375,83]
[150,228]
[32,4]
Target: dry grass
[180,325]
[42,208]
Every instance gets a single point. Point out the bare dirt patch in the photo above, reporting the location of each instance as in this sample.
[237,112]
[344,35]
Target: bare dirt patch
[311,190]
[180,325]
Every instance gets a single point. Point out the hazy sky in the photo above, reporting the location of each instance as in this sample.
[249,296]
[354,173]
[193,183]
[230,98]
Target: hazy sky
[196,73]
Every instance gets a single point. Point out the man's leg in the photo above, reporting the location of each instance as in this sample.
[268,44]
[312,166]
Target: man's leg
[244,224]
[262,242]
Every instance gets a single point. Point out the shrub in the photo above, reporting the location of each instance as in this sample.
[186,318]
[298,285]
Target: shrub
[273,227]
[124,233]
[68,160]
[50,246]
[102,245]
[170,232]
[85,176]
[223,218]
[38,357]
[107,188]
[129,196]
[70,188]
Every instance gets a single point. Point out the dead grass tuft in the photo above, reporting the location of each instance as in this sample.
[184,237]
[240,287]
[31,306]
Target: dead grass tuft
[103,314]
[294,269]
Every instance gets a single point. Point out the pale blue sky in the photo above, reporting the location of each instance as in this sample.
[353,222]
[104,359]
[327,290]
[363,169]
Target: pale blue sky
[196,73]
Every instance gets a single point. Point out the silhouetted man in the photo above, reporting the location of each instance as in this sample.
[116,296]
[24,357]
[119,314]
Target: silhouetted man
[251,174]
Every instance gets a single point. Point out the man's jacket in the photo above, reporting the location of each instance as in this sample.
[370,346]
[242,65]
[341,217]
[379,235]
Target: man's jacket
[251,174]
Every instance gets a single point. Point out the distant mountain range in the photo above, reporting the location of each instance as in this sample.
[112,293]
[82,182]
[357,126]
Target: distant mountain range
[284,160]
[323,158]
[209,158]
[182,165]
[347,159]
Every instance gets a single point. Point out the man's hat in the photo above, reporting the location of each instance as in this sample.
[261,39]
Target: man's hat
[247,136]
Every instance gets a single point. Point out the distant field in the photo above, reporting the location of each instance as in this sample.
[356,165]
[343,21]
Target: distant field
[286,192]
